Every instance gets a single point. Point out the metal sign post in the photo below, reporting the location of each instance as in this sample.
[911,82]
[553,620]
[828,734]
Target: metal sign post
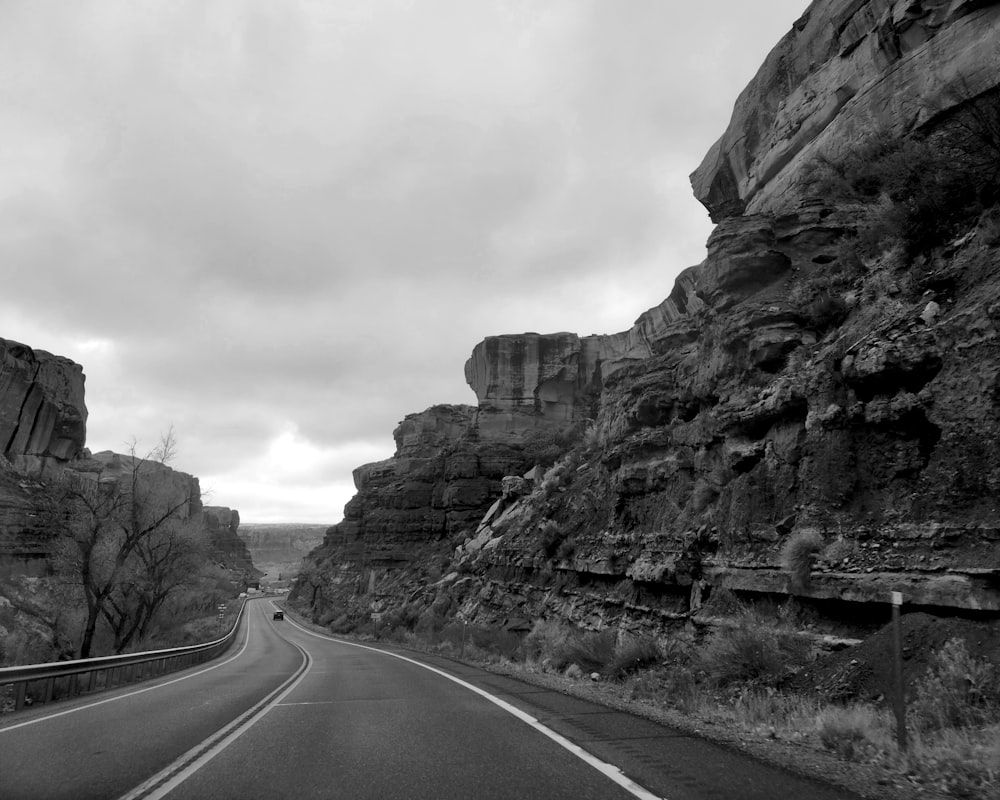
[899,701]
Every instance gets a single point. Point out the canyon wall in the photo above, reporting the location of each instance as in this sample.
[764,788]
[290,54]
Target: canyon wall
[845,68]
[222,526]
[43,417]
[790,392]
[277,549]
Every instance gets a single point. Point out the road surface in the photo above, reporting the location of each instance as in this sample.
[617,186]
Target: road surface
[291,713]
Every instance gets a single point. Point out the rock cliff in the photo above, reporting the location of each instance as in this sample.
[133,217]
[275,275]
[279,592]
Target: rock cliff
[845,67]
[43,429]
[43,418]
[222,526]
[796,393]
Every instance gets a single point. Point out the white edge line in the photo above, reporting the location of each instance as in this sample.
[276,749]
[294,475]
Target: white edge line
[174,774]
[237,654]
[609,770]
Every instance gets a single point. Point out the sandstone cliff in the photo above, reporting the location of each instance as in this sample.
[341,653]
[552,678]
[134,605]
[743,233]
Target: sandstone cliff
[795,389]
[846,66]
[43,426]
[222,526]
[43,418]
[46,473]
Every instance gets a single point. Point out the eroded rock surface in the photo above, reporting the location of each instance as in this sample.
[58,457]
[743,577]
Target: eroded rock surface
[222,526]
[785,391]
[845,68]
[43,417]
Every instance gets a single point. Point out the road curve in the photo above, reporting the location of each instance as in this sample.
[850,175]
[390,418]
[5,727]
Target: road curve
[345,720]
[101,746]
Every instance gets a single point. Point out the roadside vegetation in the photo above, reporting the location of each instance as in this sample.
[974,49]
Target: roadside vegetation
[741,680]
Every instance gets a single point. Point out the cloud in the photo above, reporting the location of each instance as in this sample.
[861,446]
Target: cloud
[283,227]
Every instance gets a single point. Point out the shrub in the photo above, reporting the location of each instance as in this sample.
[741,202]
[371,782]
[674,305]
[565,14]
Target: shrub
[429,625]
[914,190]
[566,549]
[544,638]
[798,555]
[826,310]
[592,652]
[551,536]
[633,654]
[753,651]
[957,690]
[958,763]
[843,729]
[504,643]
[340,624]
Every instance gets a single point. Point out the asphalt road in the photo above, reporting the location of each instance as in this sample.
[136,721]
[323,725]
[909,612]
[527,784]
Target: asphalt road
[294,714]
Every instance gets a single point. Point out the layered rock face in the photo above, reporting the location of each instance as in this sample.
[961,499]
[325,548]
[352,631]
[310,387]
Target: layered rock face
[846,67]
[43,430]
[787,394]
[43,426]
[222,526]
[436,485]
[280,547]
[43,418]
[528,382]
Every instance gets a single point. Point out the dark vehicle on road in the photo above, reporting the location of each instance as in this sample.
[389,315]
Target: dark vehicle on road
[279,614]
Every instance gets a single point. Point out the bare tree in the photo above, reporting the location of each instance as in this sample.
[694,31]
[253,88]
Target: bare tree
[162,563]
[120,536]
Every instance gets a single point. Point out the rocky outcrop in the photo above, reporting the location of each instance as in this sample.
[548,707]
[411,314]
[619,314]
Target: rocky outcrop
[174,489]
[845,68]
[438,483]
[528,382]
[43,431]
[789,393]
[222,527]
[43,418]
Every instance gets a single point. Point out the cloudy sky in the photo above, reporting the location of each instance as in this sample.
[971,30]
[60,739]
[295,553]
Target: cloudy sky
[282,226]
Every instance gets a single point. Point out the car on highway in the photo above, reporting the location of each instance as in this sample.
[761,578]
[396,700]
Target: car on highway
[279,614]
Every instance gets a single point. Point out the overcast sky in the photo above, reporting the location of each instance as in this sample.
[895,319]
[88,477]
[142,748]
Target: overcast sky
[282,226]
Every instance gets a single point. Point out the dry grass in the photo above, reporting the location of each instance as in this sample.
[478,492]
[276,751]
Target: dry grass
[634,653]
[957,691]
[847,729]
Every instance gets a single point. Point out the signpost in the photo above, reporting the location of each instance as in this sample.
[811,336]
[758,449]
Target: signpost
[222,615]
[899,701]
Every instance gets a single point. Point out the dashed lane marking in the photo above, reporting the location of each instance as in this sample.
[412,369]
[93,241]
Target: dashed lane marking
[169,778]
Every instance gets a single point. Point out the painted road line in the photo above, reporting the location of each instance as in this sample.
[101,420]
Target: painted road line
[172,776]
[608,770]
[145,689]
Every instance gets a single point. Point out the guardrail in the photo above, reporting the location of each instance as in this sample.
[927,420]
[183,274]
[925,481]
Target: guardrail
[42,683]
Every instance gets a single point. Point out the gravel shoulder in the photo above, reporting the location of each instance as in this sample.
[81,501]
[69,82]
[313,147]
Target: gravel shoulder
[865,780]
